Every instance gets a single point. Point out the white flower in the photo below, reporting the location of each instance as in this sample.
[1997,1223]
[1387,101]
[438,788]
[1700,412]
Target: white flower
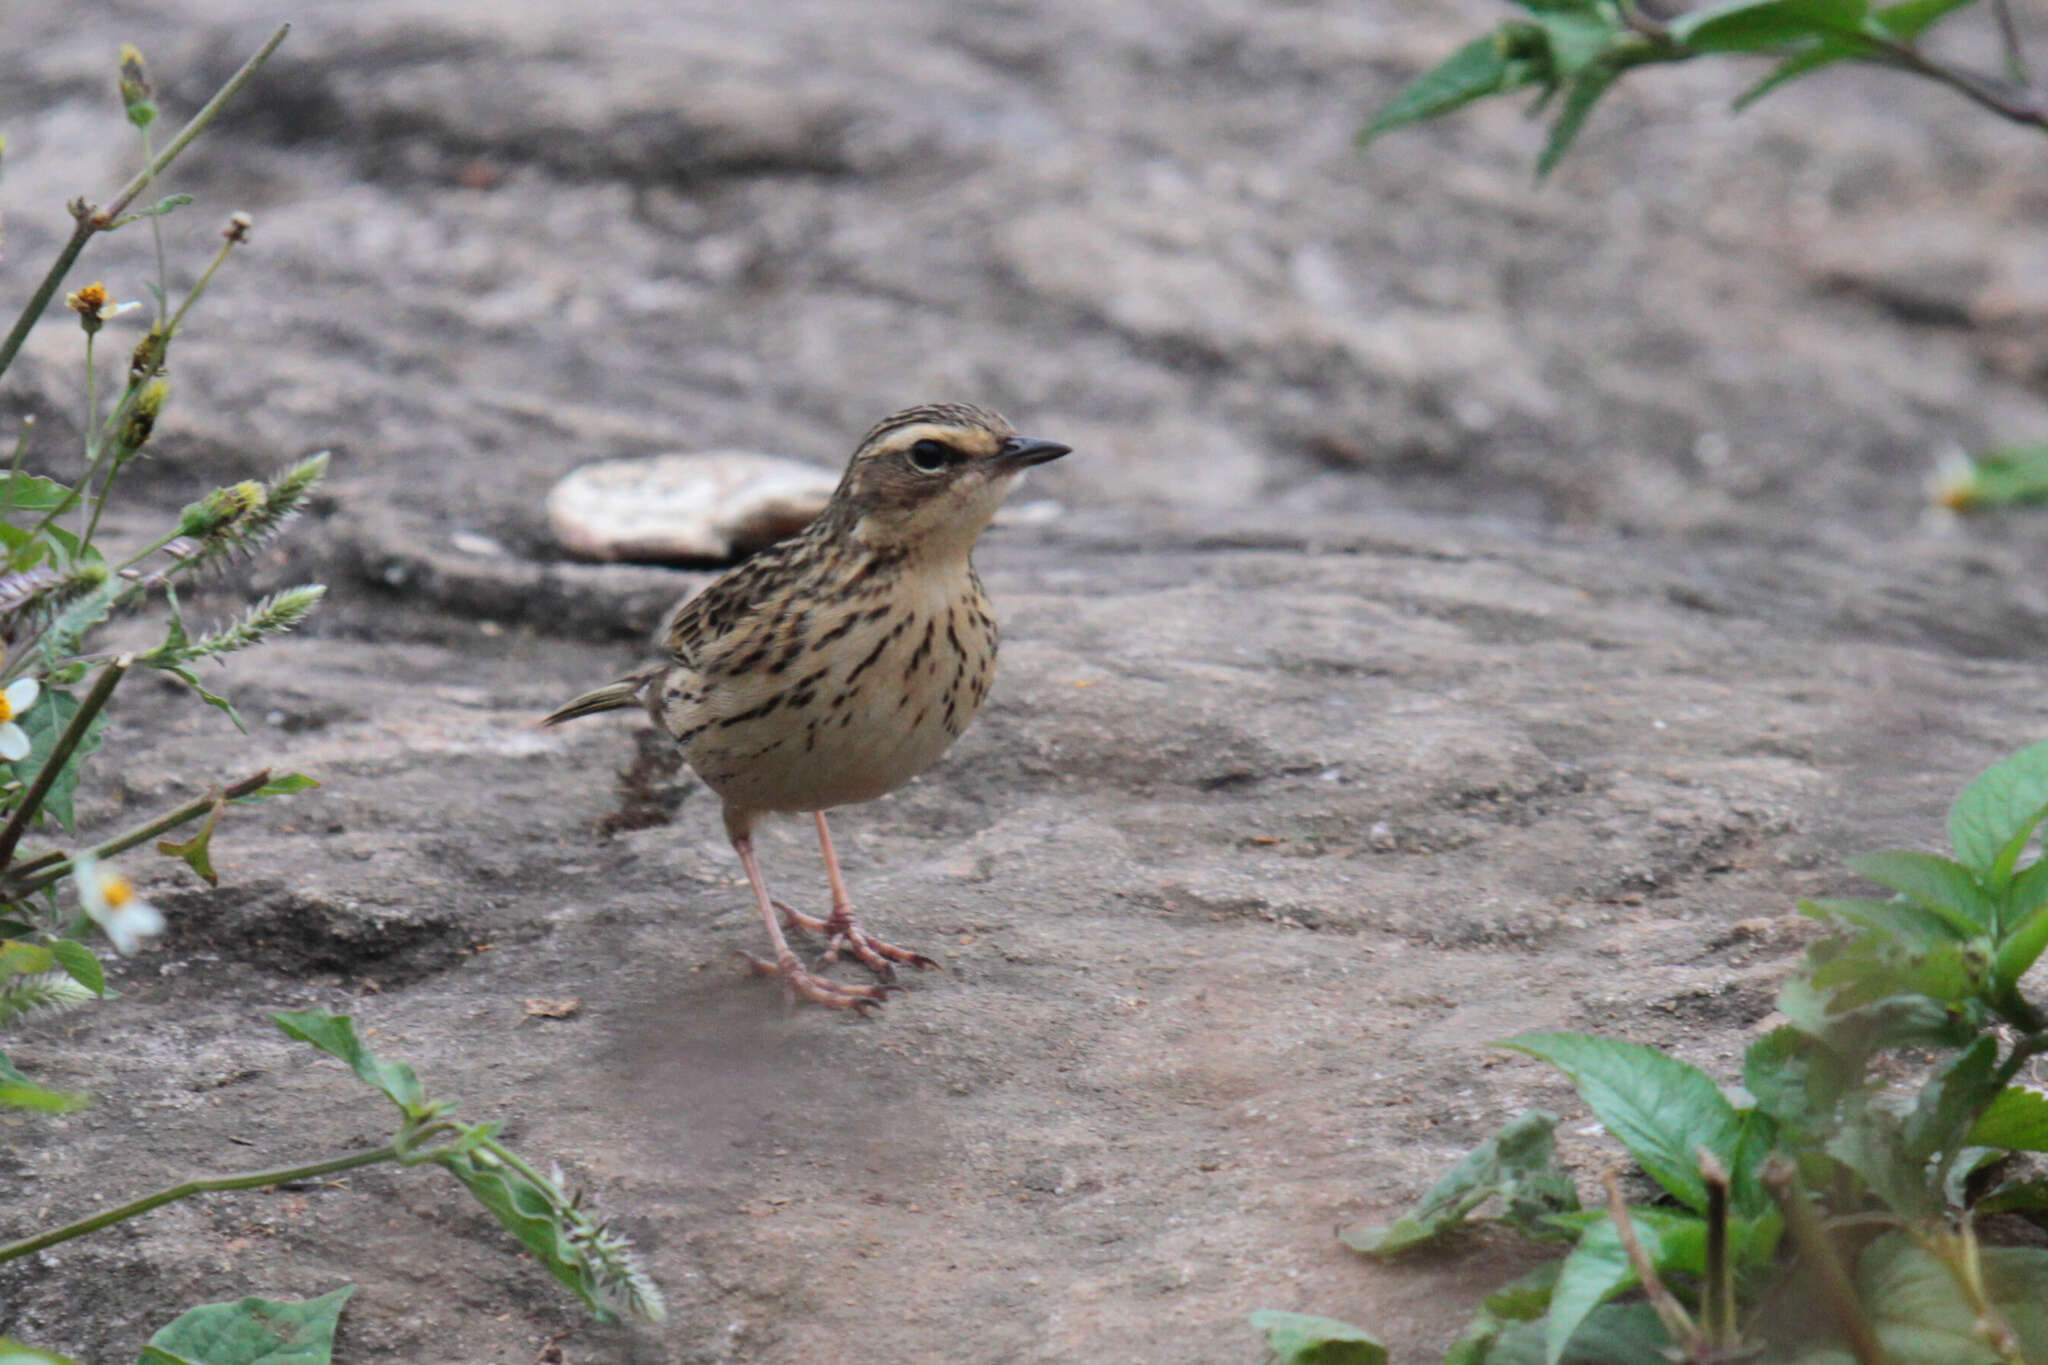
[110,899]
[18,696]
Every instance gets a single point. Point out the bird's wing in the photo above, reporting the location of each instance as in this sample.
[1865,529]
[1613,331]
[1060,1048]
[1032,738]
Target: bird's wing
[703,631]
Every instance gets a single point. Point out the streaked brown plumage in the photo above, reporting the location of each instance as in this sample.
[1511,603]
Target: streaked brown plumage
[841,663]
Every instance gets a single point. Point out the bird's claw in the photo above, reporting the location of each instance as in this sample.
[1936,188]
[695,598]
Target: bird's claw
[842,930]
[799,983]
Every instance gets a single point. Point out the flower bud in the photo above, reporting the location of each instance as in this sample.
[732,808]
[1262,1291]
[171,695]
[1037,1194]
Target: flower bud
[142,415]
[220,509]
[137,94]
[148,359]
[91,304]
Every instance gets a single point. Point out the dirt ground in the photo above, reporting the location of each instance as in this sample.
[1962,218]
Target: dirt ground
[1473,607]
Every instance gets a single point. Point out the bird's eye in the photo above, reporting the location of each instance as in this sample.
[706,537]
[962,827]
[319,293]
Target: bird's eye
[929,456]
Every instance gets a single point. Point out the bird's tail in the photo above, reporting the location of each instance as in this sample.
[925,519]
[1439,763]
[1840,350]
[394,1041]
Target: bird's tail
[611,697]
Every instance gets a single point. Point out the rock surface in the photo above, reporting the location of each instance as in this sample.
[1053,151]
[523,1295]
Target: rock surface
[1486,608]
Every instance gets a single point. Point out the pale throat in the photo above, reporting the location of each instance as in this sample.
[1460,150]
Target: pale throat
[942,532]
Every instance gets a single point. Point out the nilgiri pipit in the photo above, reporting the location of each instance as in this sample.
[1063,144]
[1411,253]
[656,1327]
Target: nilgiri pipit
[843,662]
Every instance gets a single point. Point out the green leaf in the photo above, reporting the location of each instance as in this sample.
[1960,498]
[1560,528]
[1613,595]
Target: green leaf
[1519,1164]
[197,851]
[1855,1034]
[31,493]
[78,960]
[156,210]
[176,638]
[1941,885]
[2016,1196]
[1991,821]
[1579,99]
[2027,891]
[1793,67]
[1909,19]
[1490,65]
[1579,36]
[1761,25]
[1660,1108]
[1918,926]
[1869,969]
[1873,1145]
[254,1332]
[530,1216]
[2016,1119]
[67,631]
[44,722]
[2024,945]
[13,1352]
[1949,1103]
[191,680]
[1970,1163]
[1675,1242]
[1614,1334]
[283,785]
[18,958]
[19,1092]
[28,1095]
[1305,1339]
[335,1034]
[1597,1270]
[1921,1315]
[1903,22]
[2004,476]
[1523,1300]
[1796,1077]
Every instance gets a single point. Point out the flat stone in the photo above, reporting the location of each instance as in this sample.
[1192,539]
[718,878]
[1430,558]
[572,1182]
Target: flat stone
[684,508]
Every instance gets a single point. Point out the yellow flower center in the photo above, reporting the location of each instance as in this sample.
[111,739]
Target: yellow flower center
[6,709]
[89,300]
[117,892]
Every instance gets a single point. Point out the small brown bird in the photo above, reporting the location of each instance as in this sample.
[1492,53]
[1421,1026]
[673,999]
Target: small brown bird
[841,663]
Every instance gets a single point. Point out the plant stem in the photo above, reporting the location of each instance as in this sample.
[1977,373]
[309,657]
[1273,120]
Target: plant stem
[199,288]
[146,551]
[1956,1249]
[89,220]
[60,754]
[92,397]
[1669,1311]
[248,1180]
[1781,1179]
[2014,101]
[1717,1296]
[156,229]
[92,418]
[33,874]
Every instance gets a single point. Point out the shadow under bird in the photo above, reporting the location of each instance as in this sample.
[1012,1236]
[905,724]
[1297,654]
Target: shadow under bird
[839,664]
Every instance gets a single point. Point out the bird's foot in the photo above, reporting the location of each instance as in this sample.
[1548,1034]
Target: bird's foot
[842,930]
[798,983]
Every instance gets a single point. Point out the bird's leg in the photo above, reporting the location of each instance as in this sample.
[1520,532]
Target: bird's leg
[796,980]
[842,928]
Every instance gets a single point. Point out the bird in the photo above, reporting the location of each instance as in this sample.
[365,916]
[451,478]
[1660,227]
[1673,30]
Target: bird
[835,666]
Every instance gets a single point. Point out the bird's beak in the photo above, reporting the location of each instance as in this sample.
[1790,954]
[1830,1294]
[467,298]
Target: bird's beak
[1021,452]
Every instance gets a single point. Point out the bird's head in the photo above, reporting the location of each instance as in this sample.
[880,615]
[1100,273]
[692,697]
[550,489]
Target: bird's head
[928,479]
